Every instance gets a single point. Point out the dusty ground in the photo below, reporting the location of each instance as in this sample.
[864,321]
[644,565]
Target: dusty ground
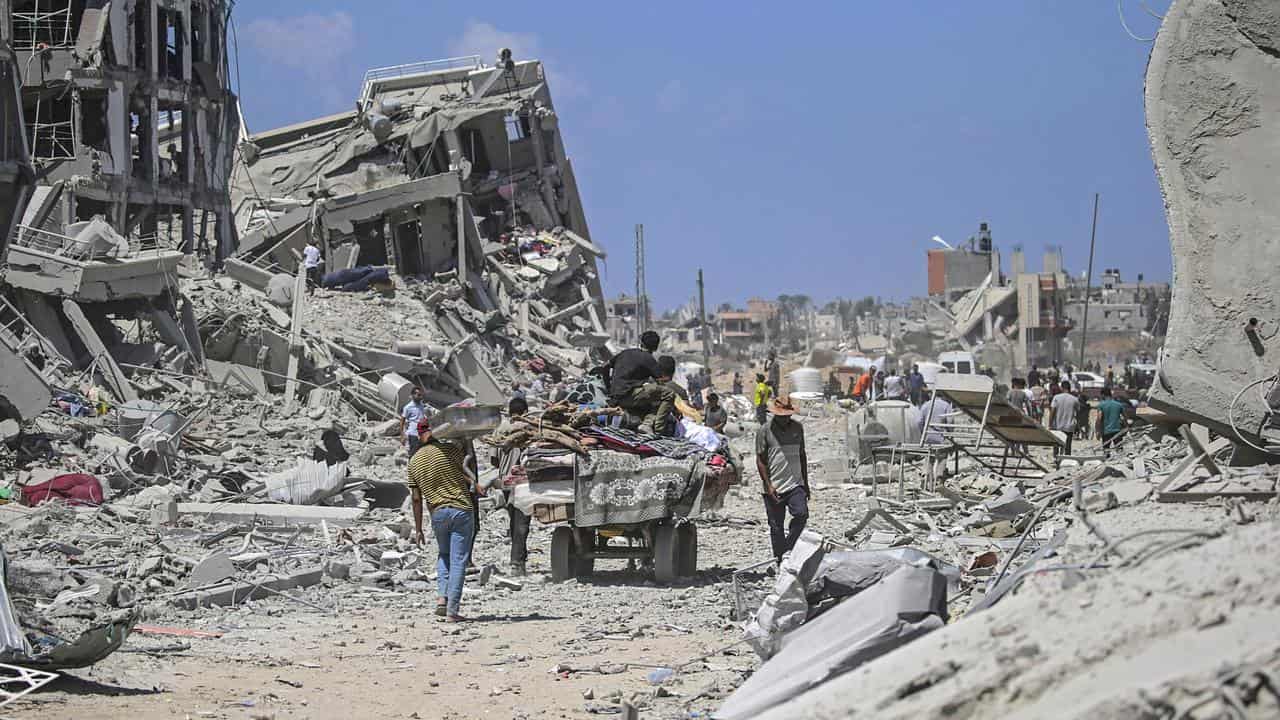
[575,650]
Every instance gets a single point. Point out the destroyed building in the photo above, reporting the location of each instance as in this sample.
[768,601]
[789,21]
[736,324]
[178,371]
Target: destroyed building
[454,176]
[128,125]
[129,118]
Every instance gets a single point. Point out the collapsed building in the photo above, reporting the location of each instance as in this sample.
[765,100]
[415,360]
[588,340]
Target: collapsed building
[453,176]
[156,323]
[128,124]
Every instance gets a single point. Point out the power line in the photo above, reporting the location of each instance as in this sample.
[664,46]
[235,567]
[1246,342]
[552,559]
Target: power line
[1124,24]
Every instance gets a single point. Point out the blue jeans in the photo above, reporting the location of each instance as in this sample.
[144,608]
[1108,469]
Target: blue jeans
[453,529]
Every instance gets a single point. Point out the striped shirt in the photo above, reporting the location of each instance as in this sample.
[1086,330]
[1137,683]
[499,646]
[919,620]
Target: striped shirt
[436,472]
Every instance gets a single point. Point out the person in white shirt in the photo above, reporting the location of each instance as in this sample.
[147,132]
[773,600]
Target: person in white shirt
[410,416]
[895,387]
[311,261]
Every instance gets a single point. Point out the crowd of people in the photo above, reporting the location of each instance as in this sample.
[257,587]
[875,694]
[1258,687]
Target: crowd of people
[442,475]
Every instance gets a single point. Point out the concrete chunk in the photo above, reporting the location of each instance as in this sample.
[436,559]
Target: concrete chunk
[278,514]
[234,593]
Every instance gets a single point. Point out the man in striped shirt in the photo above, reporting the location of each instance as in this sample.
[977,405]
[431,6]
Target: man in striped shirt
[438,475]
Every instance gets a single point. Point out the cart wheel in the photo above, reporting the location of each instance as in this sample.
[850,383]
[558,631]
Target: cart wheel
[585,566]
[666,553]
[687,534]
[562,554]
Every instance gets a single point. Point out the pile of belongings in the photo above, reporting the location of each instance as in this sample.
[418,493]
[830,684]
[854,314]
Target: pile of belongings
[579,457]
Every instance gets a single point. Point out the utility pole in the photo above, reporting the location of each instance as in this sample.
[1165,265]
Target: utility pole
[1088,281]
[642,299]
[702,318]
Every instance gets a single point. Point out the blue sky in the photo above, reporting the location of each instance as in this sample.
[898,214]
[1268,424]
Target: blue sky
[798,148]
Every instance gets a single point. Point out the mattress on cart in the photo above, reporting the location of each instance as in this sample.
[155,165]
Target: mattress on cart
[619,488]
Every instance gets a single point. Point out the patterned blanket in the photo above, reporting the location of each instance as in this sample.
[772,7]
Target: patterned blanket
[615,488]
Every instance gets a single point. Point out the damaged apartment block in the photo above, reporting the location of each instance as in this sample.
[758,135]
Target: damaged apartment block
[453,176]
[130,127]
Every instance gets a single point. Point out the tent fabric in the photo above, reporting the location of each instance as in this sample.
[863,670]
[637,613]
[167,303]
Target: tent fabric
[75,488]
[441,121]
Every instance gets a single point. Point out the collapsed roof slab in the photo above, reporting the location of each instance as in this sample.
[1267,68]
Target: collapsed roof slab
[1213,115]
[341,213]
[138,277]
[21,383]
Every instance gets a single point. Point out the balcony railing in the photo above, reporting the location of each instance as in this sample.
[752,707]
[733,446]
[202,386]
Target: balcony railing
[59,245]
[465,62]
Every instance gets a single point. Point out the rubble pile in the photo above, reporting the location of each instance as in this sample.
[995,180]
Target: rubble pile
[1031,566]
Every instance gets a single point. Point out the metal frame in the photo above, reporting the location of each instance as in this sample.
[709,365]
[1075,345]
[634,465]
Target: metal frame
[980,444]
[392,72]
[14,675]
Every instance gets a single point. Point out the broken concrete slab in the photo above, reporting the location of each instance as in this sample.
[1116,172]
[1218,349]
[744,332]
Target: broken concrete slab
[23,385]
[278,514]
[214,568]
[909,603]
[98,351]
[234,593]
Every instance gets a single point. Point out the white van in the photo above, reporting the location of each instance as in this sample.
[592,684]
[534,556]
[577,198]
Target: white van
[958,362]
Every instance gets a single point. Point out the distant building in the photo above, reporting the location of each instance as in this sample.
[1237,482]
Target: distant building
[828,326]
[762,310]
[1042,318]
[621,320]
[955,271]
[1117,307]
[740,329]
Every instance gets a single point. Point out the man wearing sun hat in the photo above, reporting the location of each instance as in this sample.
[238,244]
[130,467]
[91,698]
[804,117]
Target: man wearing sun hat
[784,471]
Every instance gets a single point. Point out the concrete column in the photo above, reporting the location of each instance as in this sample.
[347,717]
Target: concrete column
[153,43]
[389,242]
[540,156]
[107,364]
[459,218]
[187,21]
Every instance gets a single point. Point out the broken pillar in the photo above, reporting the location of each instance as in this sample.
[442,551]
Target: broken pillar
[1213,115]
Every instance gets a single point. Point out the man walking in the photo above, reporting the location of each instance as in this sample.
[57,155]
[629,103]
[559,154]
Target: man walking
[864,387]
[1062,417]
[1020,398]
[438,477]
[737,383]
[895,387]
[694,381]
[506,461]
[1111,419]
[784,473]
[311,263]
[772,370]
[411,415]
[762,396]
[915,385]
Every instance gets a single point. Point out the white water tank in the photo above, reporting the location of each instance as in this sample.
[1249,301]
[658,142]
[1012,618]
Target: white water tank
[883,422]
[806,380]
